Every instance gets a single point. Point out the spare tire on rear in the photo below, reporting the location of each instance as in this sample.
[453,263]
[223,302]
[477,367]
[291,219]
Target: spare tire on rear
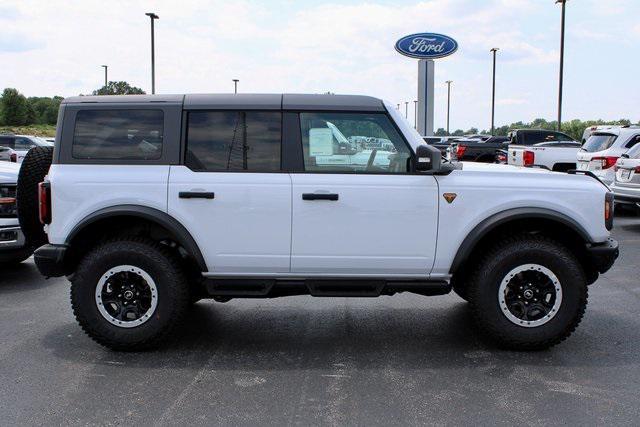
[34,168]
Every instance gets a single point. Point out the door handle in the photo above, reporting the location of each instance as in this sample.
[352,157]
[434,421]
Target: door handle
[196,195]
[319,196]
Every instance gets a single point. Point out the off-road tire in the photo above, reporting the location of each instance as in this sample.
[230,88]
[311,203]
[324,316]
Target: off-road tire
[509,253]
[165,270]
[34,168]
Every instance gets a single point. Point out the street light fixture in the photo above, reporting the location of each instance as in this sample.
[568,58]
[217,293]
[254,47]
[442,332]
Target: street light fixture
[448,82]
[235,85]
[493,91]
[105,74]
[153,17]
[560,77]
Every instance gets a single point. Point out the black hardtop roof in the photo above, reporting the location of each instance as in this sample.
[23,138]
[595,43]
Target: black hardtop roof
[315,102]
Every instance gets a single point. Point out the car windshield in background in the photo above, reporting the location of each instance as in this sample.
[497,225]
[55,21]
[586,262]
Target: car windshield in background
[430,140]
[599,142]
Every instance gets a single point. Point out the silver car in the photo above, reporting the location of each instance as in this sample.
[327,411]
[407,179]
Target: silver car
[15,147]
[626,187]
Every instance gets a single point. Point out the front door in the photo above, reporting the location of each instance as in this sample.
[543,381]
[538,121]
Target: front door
[230,193]
[365,214]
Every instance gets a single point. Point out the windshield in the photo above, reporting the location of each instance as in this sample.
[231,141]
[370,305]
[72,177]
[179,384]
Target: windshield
[599,142]
[412,135]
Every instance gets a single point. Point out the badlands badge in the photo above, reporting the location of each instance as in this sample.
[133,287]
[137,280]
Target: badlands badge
[449,197]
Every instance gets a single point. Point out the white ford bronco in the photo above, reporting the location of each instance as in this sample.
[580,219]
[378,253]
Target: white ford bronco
[153,202]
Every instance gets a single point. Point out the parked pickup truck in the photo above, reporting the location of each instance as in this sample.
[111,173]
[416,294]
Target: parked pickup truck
[152,202]
[475,150]
[549,149]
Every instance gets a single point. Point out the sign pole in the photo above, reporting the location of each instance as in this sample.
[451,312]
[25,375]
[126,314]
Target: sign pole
[426,84]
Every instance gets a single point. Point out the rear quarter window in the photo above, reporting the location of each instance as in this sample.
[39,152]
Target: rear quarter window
[122,134]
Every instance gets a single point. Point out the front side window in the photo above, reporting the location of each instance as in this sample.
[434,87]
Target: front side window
[352,142]
[118,134]
[234,141]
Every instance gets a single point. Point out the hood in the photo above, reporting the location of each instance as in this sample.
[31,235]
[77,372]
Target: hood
[494,167]
[9,172]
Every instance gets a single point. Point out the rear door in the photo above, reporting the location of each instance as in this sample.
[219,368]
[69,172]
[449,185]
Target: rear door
[230,192]
[370,217]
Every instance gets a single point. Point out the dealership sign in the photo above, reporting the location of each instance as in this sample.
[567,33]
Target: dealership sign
[426,45]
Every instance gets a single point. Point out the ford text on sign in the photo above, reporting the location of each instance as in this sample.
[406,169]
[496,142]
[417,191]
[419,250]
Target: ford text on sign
[426,45]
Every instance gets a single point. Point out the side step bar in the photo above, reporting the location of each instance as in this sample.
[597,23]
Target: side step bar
[333,287]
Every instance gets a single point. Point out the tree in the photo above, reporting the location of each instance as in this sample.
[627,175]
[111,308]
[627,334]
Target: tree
[441,132]
[118,88]
[46,109]
[14,108]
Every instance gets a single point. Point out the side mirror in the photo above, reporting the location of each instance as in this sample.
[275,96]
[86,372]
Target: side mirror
[428,158]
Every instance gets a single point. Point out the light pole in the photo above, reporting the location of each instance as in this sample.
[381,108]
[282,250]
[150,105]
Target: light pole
[406,109]
[560,77]
[235,85]
[493,91]
[415,114]
[153,17]
[448,102]
[105,74]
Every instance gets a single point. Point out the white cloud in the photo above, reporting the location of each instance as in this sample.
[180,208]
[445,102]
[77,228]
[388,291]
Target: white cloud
[282,46]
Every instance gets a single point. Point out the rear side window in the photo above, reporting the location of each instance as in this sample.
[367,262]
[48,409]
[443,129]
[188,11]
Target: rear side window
[234,141]
[118,134]
[599,142]
[8,142]
[532,138]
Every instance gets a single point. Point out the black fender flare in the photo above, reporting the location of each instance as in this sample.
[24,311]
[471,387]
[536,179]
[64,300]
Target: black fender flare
[490,223]
[154,215]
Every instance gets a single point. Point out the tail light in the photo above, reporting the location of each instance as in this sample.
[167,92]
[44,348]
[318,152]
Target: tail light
[528,157]
[460,149]
[605,162]
[608,210]
[637,169]
[14,157]
[44,202]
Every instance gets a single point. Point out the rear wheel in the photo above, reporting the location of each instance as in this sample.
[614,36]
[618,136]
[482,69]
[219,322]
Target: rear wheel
[529,292]
[129,294]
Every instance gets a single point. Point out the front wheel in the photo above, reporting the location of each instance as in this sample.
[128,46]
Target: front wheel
[129,294]
[528,293]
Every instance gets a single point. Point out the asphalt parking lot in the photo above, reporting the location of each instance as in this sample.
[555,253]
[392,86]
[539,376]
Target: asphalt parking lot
[309,361]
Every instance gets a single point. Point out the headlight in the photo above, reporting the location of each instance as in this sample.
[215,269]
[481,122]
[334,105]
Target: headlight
[8,207]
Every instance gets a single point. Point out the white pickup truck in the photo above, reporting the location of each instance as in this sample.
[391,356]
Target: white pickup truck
[548,149]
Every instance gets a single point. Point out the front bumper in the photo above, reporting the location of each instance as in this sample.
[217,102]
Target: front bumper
[603,255]
[50,260]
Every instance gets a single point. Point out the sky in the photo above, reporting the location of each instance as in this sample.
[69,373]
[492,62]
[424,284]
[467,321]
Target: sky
[56,47]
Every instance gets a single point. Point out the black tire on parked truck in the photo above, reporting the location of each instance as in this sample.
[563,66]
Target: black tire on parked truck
[129,294]
[529,292]
[34,168]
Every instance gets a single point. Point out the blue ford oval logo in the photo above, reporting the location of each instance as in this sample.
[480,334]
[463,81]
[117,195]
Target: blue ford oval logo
[426,45]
